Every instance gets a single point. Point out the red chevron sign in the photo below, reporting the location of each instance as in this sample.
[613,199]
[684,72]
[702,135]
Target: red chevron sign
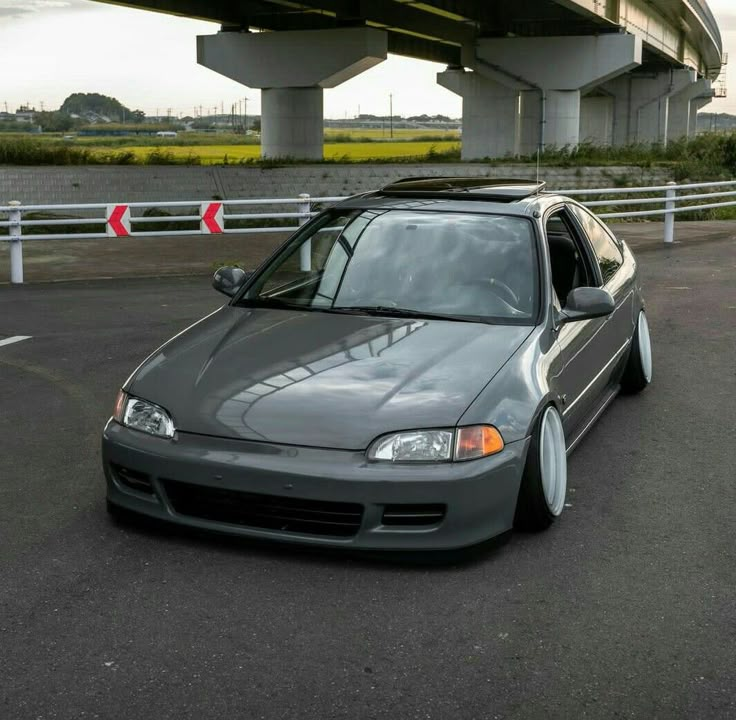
[118,220]
[213,217]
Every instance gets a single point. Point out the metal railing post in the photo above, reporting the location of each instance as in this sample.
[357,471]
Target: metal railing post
[16,243]
[304,209]
[669,218]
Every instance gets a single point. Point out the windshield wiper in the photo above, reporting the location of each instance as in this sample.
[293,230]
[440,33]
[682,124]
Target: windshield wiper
[397,312]
[270,303]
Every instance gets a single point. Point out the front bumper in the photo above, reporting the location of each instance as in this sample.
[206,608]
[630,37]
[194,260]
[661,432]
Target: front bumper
[479,497]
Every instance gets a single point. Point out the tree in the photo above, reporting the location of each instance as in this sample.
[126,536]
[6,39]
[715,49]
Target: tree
[137,116]
[54,121]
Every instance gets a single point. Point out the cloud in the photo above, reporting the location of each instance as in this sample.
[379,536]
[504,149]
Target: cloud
[24,8]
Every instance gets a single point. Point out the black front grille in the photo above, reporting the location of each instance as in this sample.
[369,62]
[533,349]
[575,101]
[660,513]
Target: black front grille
[271,512]
[413,514]
[132,478]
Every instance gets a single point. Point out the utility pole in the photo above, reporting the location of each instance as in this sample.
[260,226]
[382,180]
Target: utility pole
[391,114]
[245,115]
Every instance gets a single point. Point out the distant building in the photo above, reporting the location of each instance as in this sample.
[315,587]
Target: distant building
[24,114]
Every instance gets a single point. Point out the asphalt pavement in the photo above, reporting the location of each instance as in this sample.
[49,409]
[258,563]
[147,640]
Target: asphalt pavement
[626,608]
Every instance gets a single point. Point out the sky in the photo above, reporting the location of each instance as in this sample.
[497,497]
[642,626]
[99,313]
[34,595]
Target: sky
[52,48]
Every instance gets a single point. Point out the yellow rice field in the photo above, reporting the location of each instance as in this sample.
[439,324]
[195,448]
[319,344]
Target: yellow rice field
[350,152]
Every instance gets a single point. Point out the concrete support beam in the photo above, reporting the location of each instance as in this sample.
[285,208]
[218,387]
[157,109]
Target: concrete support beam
[292,68]
[552,73]
[490,114]
[557,63]
[298,58]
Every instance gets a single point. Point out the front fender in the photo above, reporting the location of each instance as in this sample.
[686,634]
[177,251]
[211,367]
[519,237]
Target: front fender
[519,392]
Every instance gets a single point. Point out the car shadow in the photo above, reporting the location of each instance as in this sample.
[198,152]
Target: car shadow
[438,560]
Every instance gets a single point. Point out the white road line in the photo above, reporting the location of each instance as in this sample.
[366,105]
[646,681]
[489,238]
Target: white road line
[15,339]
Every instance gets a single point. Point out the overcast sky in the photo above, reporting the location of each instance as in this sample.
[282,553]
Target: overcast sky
[52,48]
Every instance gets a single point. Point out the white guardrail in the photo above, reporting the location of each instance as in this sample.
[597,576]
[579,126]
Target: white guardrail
[120,219]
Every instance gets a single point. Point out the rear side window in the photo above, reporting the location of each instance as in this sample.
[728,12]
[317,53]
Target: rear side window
[606,250]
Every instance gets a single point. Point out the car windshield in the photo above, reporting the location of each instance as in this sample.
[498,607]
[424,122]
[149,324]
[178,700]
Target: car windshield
[458,266]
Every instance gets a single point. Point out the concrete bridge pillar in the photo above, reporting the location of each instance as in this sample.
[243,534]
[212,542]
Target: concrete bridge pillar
[684,106]
[596,120]
[646,107]
[695,106]
[490,114]
[292,69]
[553,74]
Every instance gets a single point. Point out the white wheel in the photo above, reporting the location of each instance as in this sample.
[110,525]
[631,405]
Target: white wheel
[638,371]
[553,461]
[645,347]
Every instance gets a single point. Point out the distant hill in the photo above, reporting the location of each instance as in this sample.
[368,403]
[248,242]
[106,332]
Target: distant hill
[93,104]
[714,122]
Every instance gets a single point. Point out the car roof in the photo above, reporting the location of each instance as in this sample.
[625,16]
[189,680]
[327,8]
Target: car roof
[459,194]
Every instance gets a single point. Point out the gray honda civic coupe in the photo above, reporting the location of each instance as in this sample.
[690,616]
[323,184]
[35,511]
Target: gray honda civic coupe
[409,371]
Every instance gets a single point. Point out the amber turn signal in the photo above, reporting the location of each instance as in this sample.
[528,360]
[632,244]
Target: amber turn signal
[117,412]
[477,441]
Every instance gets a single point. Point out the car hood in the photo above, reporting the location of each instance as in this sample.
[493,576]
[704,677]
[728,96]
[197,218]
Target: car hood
[321,379]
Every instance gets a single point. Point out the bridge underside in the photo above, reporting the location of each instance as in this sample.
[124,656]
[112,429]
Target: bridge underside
[517,65]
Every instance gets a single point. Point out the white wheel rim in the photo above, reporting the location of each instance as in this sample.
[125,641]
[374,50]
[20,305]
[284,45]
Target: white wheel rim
[553,461]
[645,347]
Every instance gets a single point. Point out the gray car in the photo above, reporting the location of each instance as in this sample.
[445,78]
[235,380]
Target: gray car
[409,371]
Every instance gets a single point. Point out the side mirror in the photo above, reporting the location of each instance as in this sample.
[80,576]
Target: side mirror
[228,280]
[585,303]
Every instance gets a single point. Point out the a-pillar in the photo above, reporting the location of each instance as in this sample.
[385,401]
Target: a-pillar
[292,68]
[555,72]
[642,104]
[490,114]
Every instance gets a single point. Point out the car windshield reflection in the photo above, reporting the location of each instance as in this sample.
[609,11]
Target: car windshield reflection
[406,263]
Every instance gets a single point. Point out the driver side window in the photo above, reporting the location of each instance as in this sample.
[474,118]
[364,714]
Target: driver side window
[568,264]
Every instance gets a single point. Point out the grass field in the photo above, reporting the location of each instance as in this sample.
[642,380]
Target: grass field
[203,138]
[349,152]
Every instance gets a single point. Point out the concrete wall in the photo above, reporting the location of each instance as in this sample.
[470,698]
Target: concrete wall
[66,185]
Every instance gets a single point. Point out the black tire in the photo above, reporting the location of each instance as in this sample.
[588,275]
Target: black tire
[634,378]
[533,513]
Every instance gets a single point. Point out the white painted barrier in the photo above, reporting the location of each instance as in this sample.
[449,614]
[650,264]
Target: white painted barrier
[120,219]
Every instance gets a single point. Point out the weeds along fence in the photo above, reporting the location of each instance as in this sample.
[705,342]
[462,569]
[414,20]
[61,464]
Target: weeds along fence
[107,221]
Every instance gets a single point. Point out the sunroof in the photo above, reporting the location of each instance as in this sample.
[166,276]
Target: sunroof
[480,188]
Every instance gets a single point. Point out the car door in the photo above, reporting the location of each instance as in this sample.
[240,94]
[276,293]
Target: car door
[572,266]
[594,349]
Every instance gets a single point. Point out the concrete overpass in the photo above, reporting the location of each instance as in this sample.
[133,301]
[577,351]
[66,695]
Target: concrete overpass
[532,73]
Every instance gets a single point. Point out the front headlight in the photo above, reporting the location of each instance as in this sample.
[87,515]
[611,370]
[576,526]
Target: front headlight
[142,415]
[466,443]
[419,446]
